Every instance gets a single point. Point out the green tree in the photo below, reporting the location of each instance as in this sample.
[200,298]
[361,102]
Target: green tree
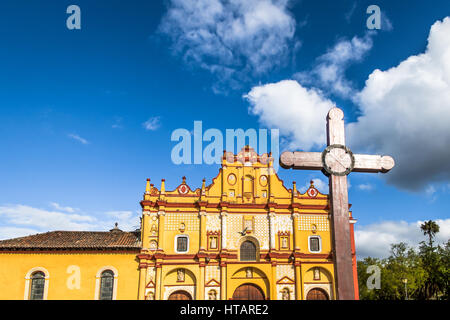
[426,270]
[434,263]
[430,228]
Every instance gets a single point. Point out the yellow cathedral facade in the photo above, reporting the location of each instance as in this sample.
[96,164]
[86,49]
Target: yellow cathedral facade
[243,237]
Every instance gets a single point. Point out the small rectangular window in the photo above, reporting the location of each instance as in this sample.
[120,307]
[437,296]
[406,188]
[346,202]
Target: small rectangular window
[314,244]
[182,244]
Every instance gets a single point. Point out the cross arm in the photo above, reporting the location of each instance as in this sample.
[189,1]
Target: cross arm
[373,163]
[301,160]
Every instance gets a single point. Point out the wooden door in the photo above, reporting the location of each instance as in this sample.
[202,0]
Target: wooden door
[180,295]
[248,292]
[317,294]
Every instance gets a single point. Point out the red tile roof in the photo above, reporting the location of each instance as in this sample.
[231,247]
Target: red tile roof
[75,240]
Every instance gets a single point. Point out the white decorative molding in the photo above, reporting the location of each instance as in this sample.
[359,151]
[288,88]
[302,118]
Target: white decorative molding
[213,222]
[212,272]
[320,244]
[283,223]
[216,289]
[26,295]
[173,221]
[285,270]
[175,247]
[262,231]
[224,230]
[98,277]
[168,290]
[325,286]
[281,287]
[321,221]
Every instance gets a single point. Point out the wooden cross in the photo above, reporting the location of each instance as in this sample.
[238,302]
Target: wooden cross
[337,161]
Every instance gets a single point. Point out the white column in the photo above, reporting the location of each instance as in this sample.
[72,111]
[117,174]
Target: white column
[224,229]
[272,229]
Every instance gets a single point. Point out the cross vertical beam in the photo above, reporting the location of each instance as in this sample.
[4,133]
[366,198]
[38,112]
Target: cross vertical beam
[340,224]
[337,161]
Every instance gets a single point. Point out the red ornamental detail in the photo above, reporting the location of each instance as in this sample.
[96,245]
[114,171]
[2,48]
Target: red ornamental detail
[154,192]
[183,189]
[312,192]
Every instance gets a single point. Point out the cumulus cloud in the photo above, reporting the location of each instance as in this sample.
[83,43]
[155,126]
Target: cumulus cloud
[18,220]
[57,206]
[42,219]
[298,112]
[328,72]
[375,240]
[152,124]
[231,39]
[78,138]
[406,111]
[319,184]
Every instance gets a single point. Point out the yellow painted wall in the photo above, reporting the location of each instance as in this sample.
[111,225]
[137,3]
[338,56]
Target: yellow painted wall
[14,267]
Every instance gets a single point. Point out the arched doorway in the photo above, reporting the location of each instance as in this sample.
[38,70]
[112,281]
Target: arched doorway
[248,291]
[180,295]
[317,294]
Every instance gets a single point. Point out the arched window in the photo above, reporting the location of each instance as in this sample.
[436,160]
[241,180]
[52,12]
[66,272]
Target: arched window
[248,251]
[37,286]
[106,285]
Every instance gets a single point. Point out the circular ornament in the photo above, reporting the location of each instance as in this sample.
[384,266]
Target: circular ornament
[312,192]
[338,160]
[183,189]
[231,179]
[263,180]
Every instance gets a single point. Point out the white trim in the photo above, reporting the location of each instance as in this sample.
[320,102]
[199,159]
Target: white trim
[26,295]
[320,244]
[98,278]
[175,246]
[191,289]
[324,286]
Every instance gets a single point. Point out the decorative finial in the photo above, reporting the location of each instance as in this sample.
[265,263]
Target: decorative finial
[312,183]
[163,185]
[116,228]
[203,187]
[147,187]
[184,180]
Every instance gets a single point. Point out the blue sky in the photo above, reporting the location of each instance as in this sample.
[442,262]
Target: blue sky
[74,103]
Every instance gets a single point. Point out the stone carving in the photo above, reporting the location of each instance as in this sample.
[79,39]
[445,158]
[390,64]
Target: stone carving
[180,275]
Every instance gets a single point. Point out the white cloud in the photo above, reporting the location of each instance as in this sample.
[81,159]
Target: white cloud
[319,184]
[298,112]
[375,240]
[57,206]
[329,71]
[78,138]
[231,39]
[14,232]
[152,124]
[23,215]
[127,220]
[365,186]
[18,220]
[406,111]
